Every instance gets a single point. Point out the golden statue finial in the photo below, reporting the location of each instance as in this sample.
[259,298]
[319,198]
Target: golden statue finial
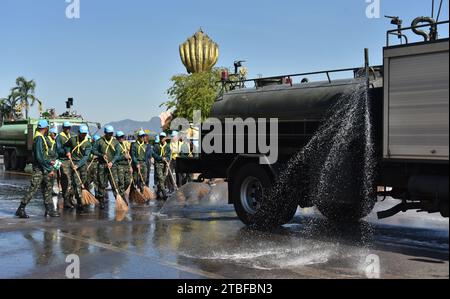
[199,53]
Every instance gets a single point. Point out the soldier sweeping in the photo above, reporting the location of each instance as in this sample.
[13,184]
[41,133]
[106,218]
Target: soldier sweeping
[138,156]
[78,150]
[93,168]
[122,163]
[65,173]
[105,150]
[43,173]
[161,155]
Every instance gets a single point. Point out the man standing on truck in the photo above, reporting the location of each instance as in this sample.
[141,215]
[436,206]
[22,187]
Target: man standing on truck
[65,172]
[161,155]
[78,150]
[105,150]
[139,158]
[43,173]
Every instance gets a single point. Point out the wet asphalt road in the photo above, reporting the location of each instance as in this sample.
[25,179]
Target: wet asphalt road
[202,238]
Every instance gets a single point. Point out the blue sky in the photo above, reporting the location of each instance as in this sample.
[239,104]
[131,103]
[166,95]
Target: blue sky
[118,58]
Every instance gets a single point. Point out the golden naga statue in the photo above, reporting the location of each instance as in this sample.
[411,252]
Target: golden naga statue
[199,53]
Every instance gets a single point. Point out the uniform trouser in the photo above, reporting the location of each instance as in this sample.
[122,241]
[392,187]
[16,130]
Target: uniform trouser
[104,177]
[123,178]
[66,183]
[40,179]
[93,176]
[160,173]
[147,175]
[77,184]
[137,177]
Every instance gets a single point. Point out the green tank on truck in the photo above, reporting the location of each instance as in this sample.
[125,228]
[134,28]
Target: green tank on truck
[16,139]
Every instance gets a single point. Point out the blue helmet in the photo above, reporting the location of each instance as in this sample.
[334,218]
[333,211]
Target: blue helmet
[120,134]
[53,130]
[96,138]
[157,140]
[67,124]
[142,133]
[42,124]
[109,130]
[175,134]
[84,129]
[163,135]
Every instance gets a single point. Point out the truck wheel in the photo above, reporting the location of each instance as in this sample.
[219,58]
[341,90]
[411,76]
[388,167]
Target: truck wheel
[249,186]
[7,160]
[247,191]
[345,212]
[14,162]
[22,163]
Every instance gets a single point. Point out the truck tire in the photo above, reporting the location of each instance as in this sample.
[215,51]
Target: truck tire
[248,188]
[7,160]
[14,160]
[345,212]
[22,163]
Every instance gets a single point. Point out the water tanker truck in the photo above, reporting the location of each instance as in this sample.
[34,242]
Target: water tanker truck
[410,124]
[16,139]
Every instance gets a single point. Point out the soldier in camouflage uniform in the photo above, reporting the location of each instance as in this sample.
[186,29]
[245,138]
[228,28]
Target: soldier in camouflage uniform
[65,173]
[105,150]
[161,154]
[93,168]
[78,149]
[138,156]
[122,163]
[43,173]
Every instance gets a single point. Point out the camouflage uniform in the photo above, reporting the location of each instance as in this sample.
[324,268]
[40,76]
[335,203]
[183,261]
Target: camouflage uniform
[80,151]
[138,156]
[122,166]
[65,172]
[41,169]
[159,153]
[93,171]
[106,148]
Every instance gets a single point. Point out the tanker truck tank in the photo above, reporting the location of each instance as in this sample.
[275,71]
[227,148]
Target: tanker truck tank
[305,102]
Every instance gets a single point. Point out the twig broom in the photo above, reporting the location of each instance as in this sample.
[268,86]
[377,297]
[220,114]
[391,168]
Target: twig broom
[87,198]
[121,204]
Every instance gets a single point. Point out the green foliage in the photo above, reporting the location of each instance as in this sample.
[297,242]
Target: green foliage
[21,98]
[24,92]
[197,91]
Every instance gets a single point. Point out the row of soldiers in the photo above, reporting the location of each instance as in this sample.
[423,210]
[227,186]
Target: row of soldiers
[78,162]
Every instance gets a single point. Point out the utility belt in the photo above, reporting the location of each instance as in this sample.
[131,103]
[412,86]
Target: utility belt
[123,163]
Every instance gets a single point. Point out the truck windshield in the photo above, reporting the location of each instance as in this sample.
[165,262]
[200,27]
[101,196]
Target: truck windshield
[73,131]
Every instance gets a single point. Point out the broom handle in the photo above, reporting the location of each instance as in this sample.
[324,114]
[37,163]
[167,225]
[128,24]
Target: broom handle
[78,175]
[171,175]
[142,177]
[90,164]
[112,178]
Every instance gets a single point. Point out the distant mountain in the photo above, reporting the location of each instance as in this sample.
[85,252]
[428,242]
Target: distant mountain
[129,126]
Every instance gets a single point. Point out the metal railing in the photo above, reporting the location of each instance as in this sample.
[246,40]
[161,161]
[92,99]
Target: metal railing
[399,32]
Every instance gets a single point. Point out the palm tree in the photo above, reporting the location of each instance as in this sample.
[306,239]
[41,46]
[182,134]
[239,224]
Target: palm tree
[8,108]
[24,94]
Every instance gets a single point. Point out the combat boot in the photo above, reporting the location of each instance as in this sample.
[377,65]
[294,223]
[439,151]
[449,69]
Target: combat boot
[21,212]
[82,210]
[50,211]
[102,205]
